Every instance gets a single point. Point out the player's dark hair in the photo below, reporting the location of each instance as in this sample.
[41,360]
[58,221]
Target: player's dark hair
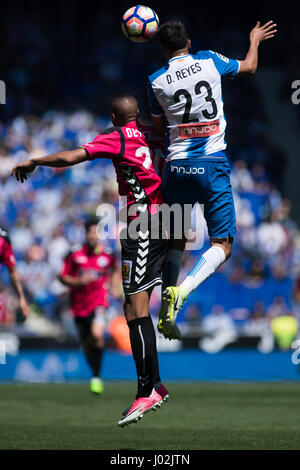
[92,220]
[172,35]
[118,97]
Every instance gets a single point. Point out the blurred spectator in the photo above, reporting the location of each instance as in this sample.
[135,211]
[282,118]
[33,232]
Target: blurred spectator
[258,325]
[219,328]
[285,328]
[193,316]
[271,237]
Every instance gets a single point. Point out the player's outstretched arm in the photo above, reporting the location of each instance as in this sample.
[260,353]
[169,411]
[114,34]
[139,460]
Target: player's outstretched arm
[58,160]
[16,282]
[257,35]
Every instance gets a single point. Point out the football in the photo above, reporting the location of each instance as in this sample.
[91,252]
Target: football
[140,23]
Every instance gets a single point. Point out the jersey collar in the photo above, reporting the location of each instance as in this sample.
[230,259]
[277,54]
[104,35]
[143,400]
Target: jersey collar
[89,251]
[178,57]
[131,124]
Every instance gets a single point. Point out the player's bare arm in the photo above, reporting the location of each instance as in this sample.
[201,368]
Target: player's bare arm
[71,281]
[257,35]
[16,282]
[116,283]
[57,160]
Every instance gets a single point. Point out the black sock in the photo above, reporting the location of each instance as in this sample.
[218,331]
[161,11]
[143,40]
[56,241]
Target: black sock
[143,345]
[156,376]
[94,358]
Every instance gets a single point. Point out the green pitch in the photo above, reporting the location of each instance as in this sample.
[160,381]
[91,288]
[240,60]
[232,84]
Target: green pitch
[197,416]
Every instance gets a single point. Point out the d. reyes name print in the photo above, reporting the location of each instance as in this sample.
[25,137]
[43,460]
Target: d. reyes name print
[183,73]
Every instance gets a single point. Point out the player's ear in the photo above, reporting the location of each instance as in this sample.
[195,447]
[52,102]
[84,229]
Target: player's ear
[113,117]
[189,43]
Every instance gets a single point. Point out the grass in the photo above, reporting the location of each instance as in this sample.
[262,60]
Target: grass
[197,416]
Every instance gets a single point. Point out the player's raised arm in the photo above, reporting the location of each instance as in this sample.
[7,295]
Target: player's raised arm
[58,160]
[157,113]
[257,35]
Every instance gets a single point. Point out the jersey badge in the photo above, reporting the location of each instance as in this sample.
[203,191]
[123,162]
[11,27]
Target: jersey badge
[222,57]
[126,271]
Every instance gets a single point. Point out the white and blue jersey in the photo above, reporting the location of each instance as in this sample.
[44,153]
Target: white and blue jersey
[188,92]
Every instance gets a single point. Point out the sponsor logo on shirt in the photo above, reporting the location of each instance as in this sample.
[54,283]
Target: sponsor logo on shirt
[196,130]
[102,261]
[187,170]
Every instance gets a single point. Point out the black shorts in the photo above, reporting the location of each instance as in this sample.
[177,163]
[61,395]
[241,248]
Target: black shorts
[143,256]
[84,324]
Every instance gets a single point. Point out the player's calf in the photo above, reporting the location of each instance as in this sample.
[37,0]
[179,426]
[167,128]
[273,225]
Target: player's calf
[225,244]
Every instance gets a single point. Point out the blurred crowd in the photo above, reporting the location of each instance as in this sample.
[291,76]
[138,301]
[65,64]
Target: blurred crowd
[60,75]
[45,215]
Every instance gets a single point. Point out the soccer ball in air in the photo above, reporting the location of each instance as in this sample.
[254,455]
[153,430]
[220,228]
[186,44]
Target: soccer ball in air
[140,23]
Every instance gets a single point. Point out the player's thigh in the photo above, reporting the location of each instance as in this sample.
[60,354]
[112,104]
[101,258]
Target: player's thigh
[137,305]
[183,186]
[142,260]
[219,211]
[99,323]
[180,185]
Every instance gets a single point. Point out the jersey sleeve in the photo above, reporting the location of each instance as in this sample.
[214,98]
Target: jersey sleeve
[108,144]
[9,259]
[155,108]
[225,66]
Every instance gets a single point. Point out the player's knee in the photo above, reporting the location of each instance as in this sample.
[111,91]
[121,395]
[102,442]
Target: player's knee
[127,310]
[98,337]
[132,312]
